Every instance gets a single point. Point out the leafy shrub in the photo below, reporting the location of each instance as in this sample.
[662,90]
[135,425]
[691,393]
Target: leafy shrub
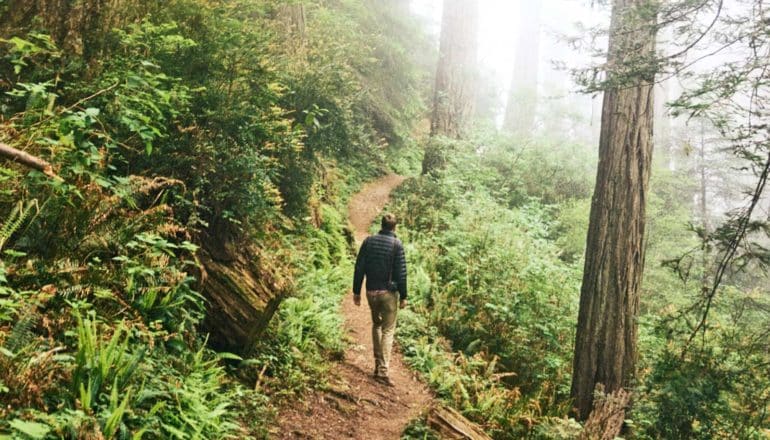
[495,304]
[308,330]
[167,125]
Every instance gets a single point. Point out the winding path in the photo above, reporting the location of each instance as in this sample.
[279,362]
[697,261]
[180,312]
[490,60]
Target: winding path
[355,406]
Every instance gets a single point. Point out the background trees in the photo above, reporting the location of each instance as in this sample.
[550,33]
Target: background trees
[454,93]
[520,109]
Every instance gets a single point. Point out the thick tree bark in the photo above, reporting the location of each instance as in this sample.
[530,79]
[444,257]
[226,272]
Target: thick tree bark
[605,343]
[522,98]
[455,89]
[450,424]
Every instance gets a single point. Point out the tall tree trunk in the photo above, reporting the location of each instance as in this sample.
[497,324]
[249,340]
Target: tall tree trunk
[605,343]
[522,98]
[293,17]
[454,95]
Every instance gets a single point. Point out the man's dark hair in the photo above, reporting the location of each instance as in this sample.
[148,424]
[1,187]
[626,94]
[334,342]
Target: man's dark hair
[389,222]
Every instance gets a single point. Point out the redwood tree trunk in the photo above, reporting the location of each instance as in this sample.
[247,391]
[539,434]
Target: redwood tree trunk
[605,343]
[522,98]
[293,17]
[455,78]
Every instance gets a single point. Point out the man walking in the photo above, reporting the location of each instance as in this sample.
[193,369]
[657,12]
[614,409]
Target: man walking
[381,259]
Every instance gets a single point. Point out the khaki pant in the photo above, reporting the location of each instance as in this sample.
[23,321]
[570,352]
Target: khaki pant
[384,307]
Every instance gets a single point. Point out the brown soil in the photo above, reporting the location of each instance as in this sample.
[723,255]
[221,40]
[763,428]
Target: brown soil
[355,406]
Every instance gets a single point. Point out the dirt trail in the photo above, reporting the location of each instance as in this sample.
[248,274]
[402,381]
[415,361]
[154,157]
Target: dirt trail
[355,406]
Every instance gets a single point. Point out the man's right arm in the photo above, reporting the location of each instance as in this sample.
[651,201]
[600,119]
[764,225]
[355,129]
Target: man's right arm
[358,276]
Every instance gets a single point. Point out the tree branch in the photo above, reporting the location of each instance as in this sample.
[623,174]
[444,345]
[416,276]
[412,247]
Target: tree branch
[9,153]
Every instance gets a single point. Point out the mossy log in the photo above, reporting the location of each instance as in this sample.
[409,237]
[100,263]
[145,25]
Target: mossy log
[450,424]
[244,290]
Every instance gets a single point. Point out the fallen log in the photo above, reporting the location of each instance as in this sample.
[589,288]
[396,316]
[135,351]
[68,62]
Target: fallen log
[26,159]
[450,424]
[244,289]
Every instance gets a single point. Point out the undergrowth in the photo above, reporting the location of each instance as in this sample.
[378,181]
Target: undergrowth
[495,263]
[172,128]
[493,303]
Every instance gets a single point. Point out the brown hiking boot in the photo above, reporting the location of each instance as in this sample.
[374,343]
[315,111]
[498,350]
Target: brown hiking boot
[385,380]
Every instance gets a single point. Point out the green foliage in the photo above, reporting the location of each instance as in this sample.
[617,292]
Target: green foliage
[571,227]
[354,91]
[32,430]
[98,364]
[172,125]
[156,285]
[495,304]
[418,430]
[552,170]
[15,220]
[22,332]
[307,330]
[198,407]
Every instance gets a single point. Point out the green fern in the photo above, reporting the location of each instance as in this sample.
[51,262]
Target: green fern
[22,332]
[17,217]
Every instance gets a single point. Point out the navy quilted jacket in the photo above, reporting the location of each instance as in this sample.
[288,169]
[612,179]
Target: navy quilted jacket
[376,254]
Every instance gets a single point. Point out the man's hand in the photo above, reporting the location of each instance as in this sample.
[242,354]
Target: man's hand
[357,300]
[402,304]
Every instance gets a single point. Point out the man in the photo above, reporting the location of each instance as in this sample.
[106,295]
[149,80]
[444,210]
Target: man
[381,259]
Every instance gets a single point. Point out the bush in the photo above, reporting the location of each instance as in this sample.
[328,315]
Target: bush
[494,304]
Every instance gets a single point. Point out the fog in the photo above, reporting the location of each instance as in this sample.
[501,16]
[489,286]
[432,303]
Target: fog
[500,22]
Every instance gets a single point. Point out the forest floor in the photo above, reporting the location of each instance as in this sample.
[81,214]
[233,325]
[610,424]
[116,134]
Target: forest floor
[354,406]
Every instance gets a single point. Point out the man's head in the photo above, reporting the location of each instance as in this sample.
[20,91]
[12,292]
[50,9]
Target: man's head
[389,222]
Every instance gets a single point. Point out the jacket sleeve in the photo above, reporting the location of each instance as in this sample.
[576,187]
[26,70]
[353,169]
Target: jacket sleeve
[399,270]
[358,275]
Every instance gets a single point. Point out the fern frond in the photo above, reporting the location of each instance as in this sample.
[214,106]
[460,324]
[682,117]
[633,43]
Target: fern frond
[22,332]
[17,217]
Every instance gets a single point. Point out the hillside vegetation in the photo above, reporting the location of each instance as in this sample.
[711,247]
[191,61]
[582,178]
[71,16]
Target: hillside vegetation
[189,140]
[496,255]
